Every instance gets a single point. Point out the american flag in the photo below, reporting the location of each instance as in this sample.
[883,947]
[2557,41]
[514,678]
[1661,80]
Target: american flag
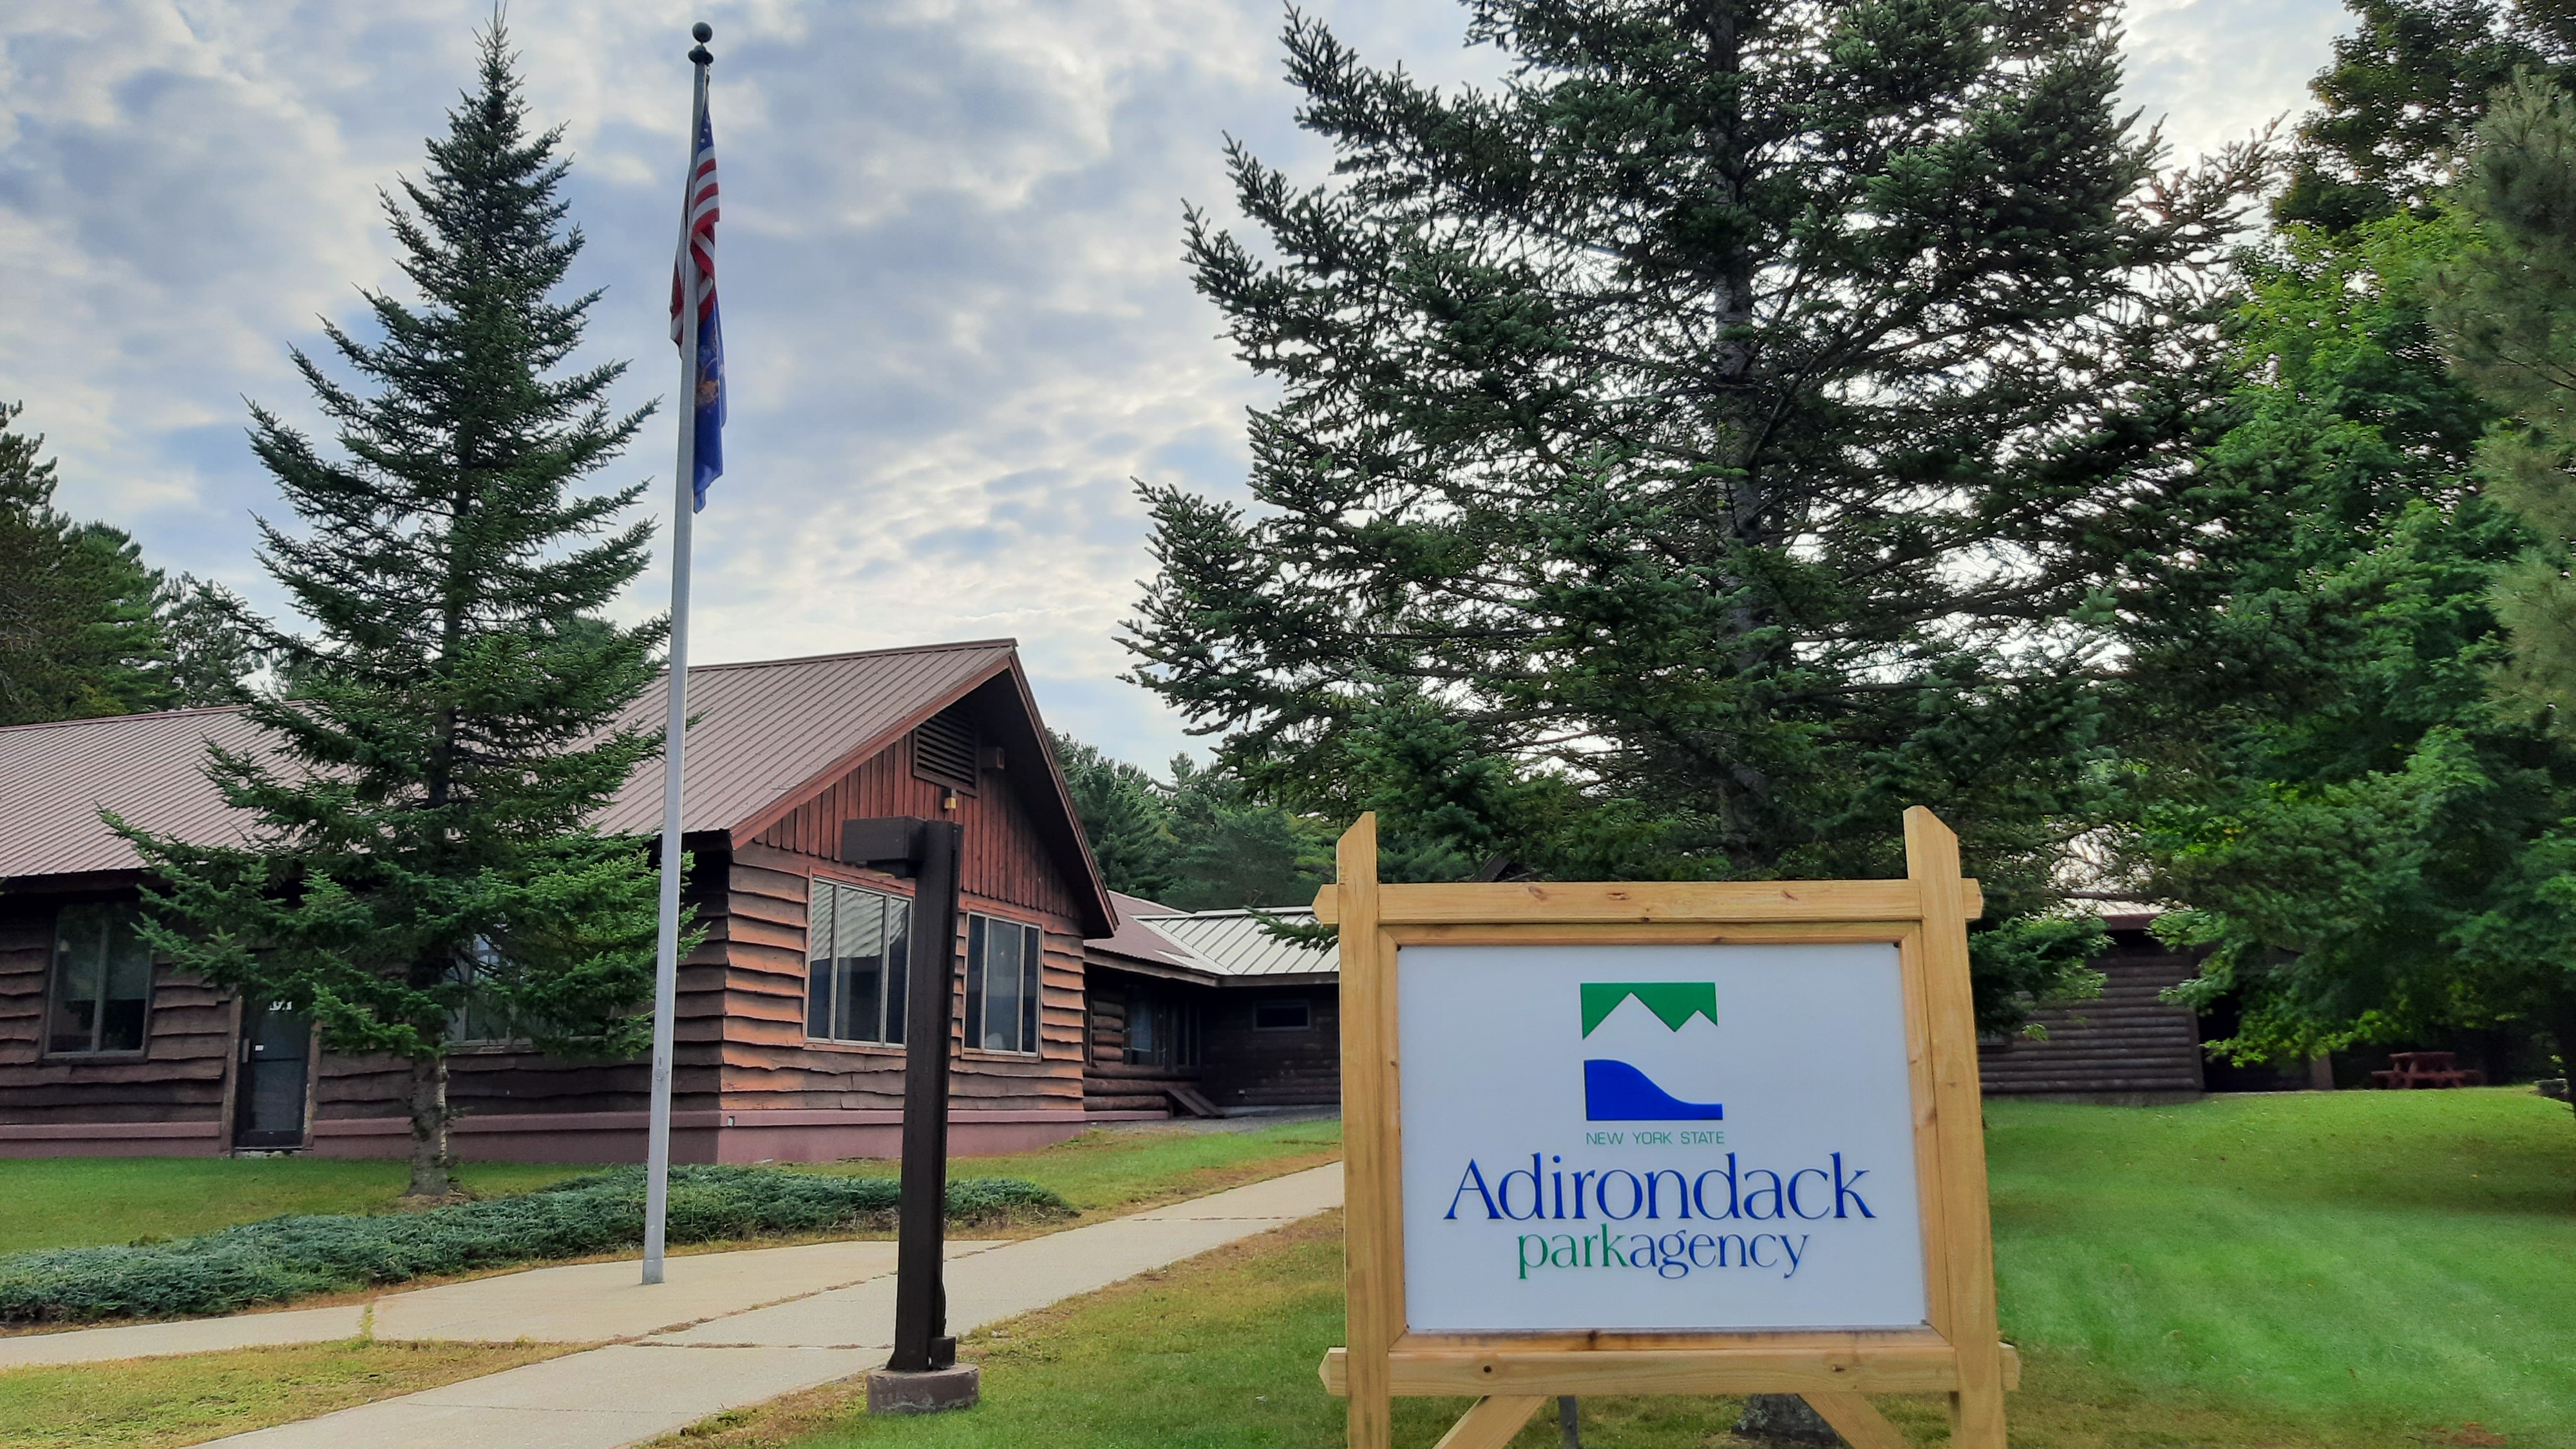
[698,249]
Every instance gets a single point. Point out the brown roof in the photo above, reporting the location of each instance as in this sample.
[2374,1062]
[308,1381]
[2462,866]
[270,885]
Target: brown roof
[149,768]
[1137,944]
[762,736]
[760,733]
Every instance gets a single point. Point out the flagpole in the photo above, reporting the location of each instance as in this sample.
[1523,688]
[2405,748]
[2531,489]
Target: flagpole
[666,961]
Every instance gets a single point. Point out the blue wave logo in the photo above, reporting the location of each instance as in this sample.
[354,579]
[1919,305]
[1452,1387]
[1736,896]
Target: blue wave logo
[1614,1091]
[1617,1091]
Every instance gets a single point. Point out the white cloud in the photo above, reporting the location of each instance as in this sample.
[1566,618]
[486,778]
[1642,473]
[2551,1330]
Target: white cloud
[2212,72]
[954,306]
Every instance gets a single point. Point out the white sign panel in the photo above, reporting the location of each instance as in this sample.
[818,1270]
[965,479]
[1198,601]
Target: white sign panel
[1657,1137]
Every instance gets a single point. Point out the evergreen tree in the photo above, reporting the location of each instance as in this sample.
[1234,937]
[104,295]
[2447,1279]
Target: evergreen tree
[1230,851]
[1715,439]
[419,842]
[78,631]
[2373,844]
[1124,816]
[1198,843]
[2507,310]
[2508,315]
[209,652]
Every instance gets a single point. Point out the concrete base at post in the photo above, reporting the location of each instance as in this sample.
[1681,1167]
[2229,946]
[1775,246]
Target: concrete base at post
[931,1392]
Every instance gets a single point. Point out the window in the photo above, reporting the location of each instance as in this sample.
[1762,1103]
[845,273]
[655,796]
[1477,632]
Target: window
[855,962]
[480,1020]
[1003,959]
[102,980]
[1161,1031]
[1282,1015]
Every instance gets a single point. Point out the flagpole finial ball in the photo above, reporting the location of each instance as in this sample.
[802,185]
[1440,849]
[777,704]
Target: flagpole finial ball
[702,32]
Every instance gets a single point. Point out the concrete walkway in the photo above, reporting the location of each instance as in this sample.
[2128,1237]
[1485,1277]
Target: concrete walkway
[725,1330]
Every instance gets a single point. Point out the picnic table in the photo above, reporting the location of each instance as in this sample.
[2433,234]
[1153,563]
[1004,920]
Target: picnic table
[2427,1069]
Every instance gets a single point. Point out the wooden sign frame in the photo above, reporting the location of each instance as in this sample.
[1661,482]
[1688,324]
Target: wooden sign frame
[1511,1375]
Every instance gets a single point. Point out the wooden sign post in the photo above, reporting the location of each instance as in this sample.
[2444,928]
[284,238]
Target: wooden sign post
[1664,1138]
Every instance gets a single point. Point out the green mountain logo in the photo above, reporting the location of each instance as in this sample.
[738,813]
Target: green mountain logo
[1672,1002]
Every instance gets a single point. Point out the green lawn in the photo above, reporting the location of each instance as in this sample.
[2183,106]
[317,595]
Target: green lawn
[63,1202]
[154,1402]
[2348,1271]
[2357,1260]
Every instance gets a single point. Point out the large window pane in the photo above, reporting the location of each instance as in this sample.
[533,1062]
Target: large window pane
[480,1019]
[1162,1029]
[855,964]
[979,937]
[898,966]
[1003,959]
[1032,963]
[818,961]
[102,984]
[1002,989]
[1144,1028]
[79,966]
[859,956]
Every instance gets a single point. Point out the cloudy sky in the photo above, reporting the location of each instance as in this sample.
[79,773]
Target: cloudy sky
[954,307]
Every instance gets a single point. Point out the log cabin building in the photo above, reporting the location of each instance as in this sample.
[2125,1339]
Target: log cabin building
[1075,1007]
[2126,1045]
[1208,1013]
[788,1032]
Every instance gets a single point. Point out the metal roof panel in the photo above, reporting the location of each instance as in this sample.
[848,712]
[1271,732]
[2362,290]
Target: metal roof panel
[1232,944]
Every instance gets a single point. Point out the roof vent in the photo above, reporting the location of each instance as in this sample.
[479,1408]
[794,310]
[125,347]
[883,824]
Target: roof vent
[943,749]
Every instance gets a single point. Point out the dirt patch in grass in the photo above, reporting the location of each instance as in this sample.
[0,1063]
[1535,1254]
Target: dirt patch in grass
[152,1403]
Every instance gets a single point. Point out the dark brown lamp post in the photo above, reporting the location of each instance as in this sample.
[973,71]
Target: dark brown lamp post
[921,1375]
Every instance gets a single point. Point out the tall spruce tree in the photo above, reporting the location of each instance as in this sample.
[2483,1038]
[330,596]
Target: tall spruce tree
[418,840]
[1124,816]
[2508,318]
[2507,312]
[205,636]
[1716,438]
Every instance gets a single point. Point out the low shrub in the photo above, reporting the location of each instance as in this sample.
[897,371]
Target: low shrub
[290,1257]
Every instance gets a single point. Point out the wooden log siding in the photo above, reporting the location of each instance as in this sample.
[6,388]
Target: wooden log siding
[741,1044]
[769,1063]
[26,946]
[1251,1068]
[492,1080]
[1004,863]
[1107,1043]
[187,1043]
[741,1027]
[1110,1083]
[2125,1042]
